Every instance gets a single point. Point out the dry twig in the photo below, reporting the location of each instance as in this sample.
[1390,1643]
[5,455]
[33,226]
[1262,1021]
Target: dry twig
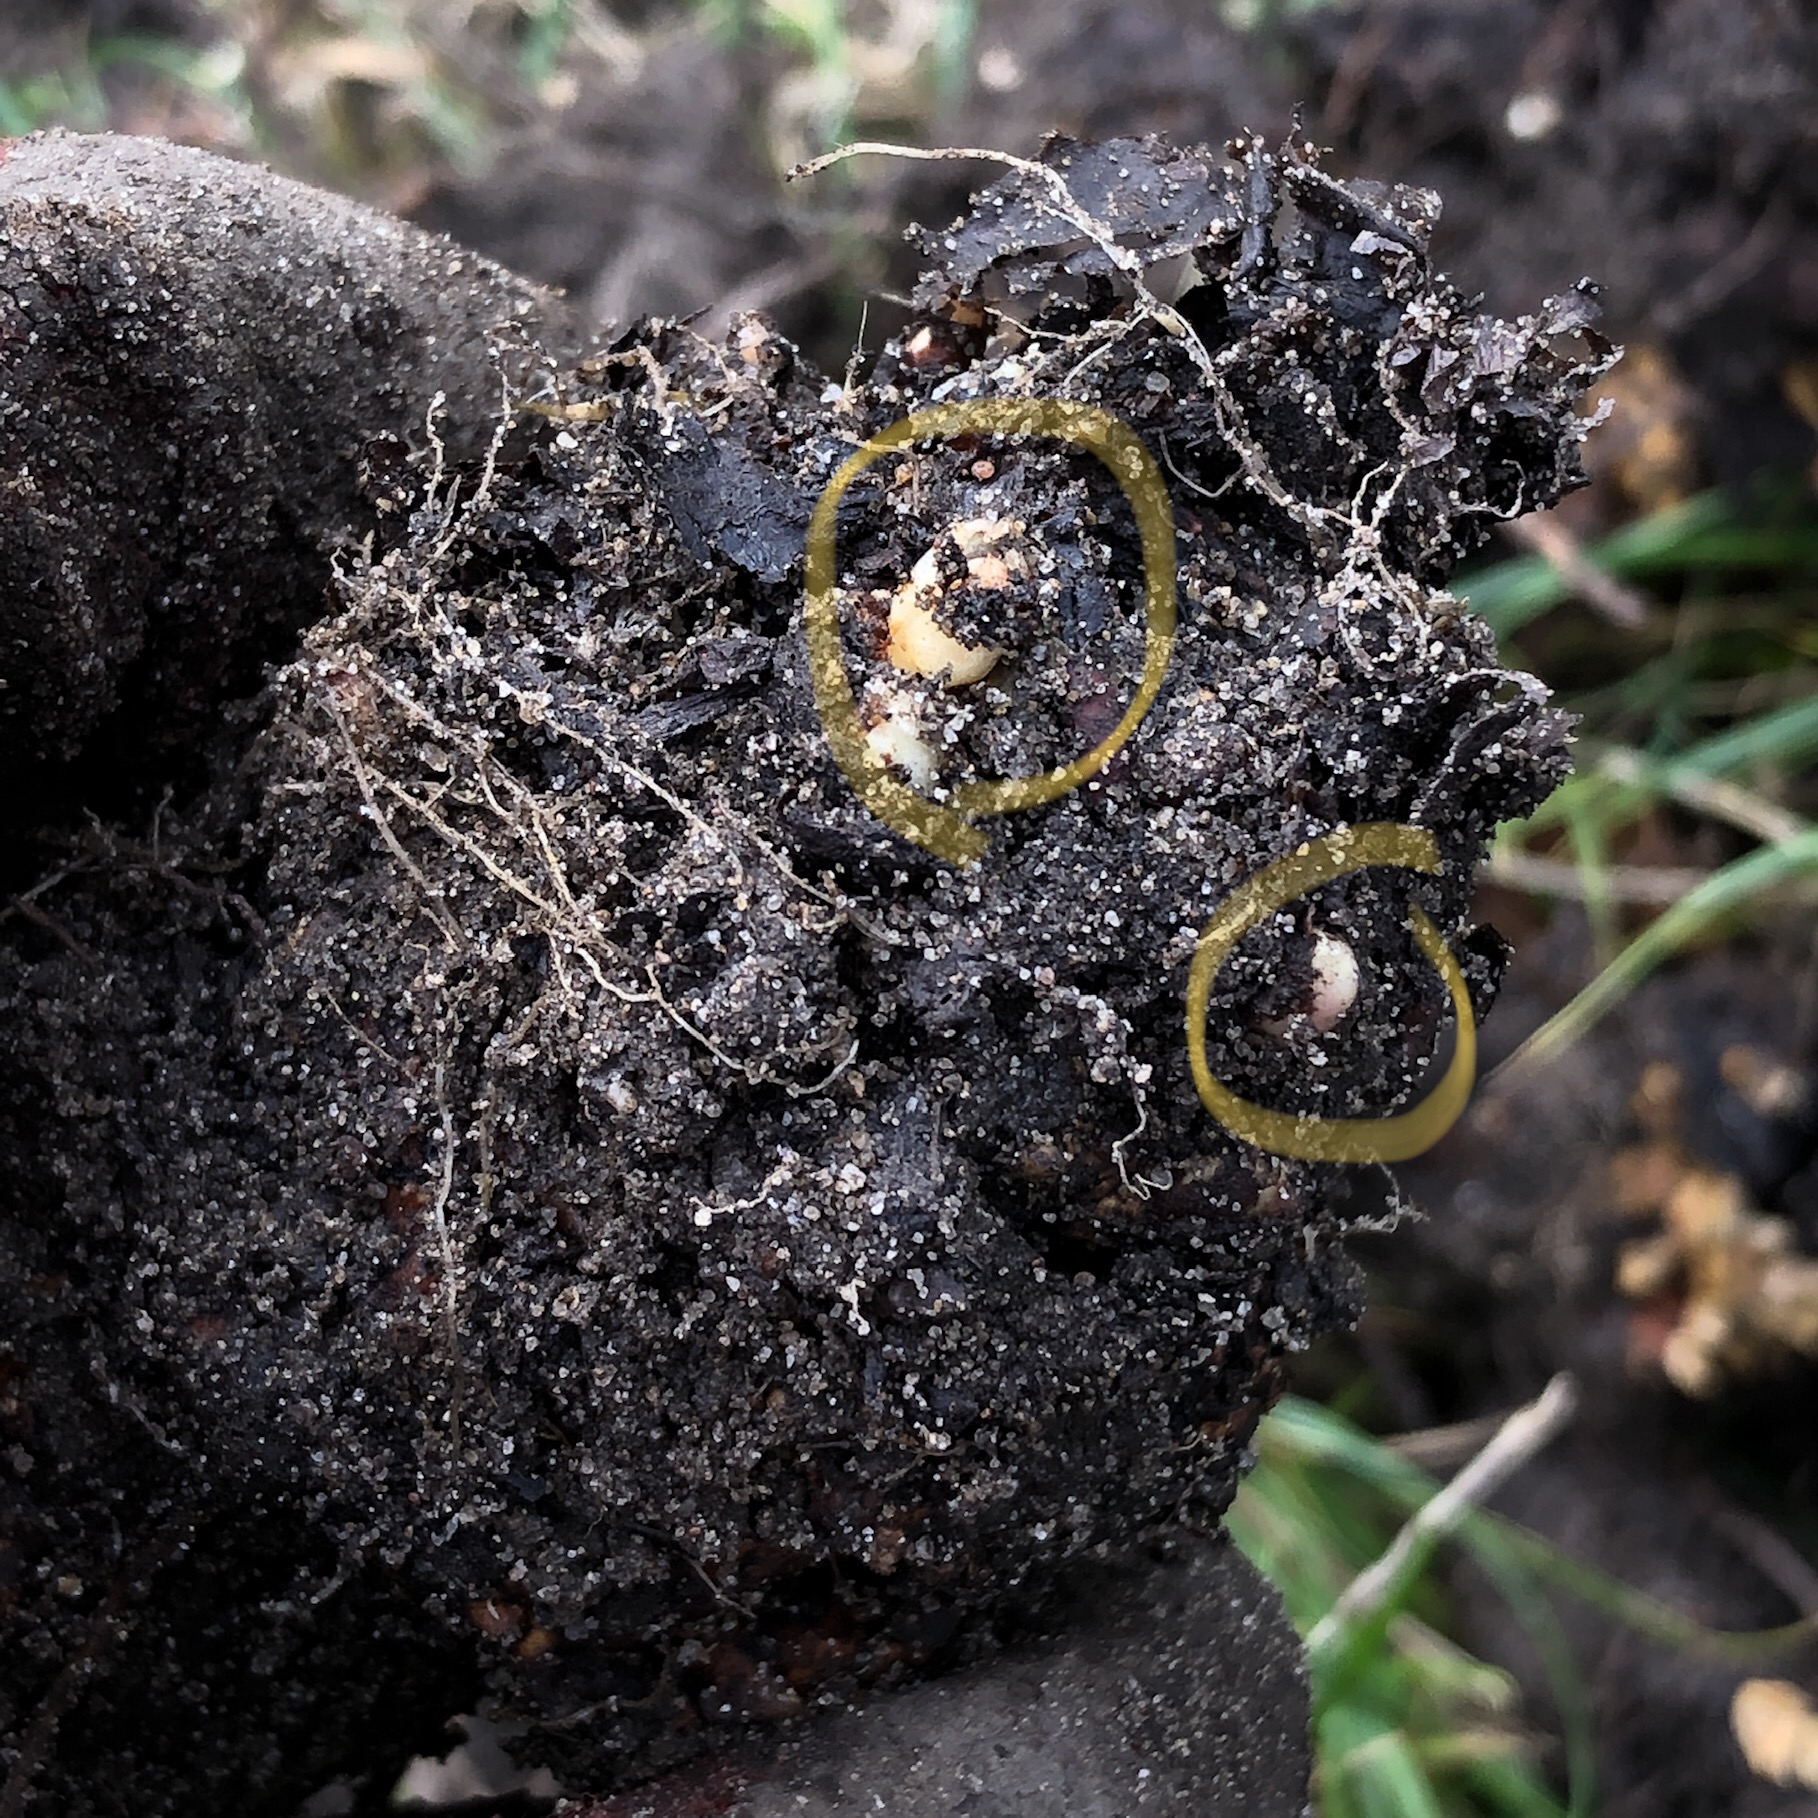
[1517,1440]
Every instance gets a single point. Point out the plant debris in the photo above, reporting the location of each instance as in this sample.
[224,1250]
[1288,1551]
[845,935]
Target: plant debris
[1776,1727]
[1724,1290]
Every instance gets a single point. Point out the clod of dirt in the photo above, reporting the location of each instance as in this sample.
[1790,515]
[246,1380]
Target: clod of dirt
[191,352]
[1669,145]
[700,1252]
[1137,1706]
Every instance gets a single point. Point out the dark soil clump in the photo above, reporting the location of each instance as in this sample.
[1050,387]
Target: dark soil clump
[192,351]
[687,1248]
[1668,145]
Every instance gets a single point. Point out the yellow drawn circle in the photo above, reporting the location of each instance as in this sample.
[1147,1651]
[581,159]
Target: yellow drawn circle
[946,830]
[1305,1135]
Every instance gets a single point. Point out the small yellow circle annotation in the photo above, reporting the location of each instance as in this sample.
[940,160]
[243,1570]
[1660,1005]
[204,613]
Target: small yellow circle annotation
[947,831]
[1306,1136]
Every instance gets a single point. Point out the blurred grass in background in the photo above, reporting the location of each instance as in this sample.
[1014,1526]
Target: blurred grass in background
[369,92]
[1691,815]
[1698,730]
[1405,1723]
[1680,626]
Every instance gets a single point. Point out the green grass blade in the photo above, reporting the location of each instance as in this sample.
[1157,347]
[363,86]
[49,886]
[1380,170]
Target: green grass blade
[1313,1434]
[1688,920]
[1700,536]
[1512,1787]
[546,33]
[1373,1759]
[1787,737]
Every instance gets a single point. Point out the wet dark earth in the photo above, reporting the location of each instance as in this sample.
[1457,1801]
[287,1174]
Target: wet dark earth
[1664,147]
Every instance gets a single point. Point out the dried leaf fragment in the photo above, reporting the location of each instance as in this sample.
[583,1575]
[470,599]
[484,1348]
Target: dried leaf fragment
[1776,1727]
[1726,1290]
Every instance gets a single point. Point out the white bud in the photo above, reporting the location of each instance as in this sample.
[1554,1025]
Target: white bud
[1335,981]
[921,647]
[897,740]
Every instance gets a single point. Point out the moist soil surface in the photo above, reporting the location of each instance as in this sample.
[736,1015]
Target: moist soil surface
[1664,147]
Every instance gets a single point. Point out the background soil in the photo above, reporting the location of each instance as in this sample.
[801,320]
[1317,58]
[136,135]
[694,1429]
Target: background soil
[1665,146]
